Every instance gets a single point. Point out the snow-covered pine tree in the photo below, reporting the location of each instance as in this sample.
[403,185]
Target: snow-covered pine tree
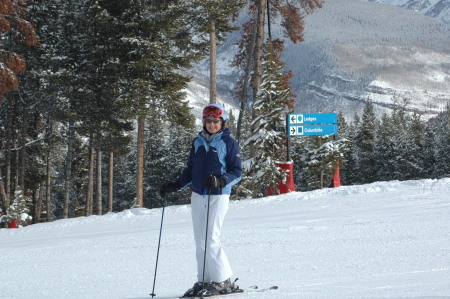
[401,143]
[37,105]
[124,187]
[291,13]
[414,151]
[351,165]
[231,123]
[153,158]
[245,133]
[442,145]
[319,157]
[176,152]
[429,162]
[17,33]
[385,158]
[269,135]
[366,142]
[157,39]
[19,209]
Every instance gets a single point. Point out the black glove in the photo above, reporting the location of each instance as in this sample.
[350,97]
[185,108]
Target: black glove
[169,187]
[214,182]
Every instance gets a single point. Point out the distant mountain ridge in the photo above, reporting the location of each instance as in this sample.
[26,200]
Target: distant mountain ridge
[356,50]
[439,9]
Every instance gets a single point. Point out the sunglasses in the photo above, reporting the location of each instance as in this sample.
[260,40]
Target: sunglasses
[216,121]
[213,110]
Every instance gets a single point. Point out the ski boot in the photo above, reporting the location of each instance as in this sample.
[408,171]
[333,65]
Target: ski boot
[196,290]
[218,288]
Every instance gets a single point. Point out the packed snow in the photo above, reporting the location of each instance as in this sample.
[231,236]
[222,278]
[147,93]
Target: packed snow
[381,240]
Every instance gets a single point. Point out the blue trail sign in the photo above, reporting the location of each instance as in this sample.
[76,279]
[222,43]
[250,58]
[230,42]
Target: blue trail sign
[312,118]
[310,130]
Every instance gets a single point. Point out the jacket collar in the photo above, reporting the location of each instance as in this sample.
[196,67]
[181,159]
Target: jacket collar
[210,137]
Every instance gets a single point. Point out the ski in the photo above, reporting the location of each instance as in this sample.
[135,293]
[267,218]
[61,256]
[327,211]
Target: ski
[257,289]
[234,293]
[216,296]
[251,289]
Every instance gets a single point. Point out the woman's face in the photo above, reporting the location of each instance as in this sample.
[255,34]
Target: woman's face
[213,124]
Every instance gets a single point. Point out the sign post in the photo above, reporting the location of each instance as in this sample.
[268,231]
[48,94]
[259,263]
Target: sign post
[313,124]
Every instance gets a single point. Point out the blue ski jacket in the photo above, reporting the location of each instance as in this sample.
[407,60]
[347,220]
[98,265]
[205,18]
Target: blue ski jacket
[219,156]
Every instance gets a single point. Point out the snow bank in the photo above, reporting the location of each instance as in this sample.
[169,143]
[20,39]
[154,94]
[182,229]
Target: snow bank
[381,240]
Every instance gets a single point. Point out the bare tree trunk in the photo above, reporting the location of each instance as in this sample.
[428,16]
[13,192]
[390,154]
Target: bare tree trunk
[245,85]
[110,180]
[8,153]
[258,71]
[68,172]
[90,188]
[36,205]
[212,62]
[5,202]
[8,177]
[48,185]
[21,165]
[17,171]
[98,191]
[140,163]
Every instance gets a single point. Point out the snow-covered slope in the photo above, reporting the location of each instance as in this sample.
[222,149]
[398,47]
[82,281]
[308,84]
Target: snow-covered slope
[356,50]
[382,240]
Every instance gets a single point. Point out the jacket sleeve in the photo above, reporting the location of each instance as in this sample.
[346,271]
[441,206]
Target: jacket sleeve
[233,173]
[185,179]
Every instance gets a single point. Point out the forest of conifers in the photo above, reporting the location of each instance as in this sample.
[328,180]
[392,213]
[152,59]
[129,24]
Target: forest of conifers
[93,76]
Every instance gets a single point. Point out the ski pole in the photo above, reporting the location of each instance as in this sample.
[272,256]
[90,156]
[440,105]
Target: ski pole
[159,243]
[206,243]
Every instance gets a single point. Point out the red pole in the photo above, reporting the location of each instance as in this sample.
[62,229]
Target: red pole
[336,182]
[289,186]
[14,224]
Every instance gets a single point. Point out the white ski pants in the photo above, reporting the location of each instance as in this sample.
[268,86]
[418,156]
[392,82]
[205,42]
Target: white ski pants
[217,267]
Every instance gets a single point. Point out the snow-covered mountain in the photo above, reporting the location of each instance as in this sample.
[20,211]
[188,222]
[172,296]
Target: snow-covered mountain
[381,240]
[439,9]
[355,50]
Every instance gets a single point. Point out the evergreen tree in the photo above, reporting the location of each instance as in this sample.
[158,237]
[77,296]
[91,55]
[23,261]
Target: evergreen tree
[19,209]
[154,158]
[272,103]
[385,156]
[156,40]
[401,144]
[17,33]
[366,142]
[442,145]
[125,182]
[245,133]
[350,170]
[318,158]
[429,157]
[414,150]
[251,55]
[177,149]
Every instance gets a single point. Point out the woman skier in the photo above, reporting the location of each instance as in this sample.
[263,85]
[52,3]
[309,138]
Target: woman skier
[213,167]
